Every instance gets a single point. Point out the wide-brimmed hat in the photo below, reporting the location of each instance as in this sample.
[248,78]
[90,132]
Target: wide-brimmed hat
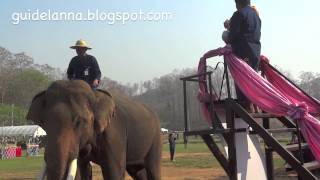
[81,44]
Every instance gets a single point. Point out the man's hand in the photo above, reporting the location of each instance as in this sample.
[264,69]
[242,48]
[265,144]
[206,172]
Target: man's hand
[225,36]
[226,24]
[246,60]
[95,82]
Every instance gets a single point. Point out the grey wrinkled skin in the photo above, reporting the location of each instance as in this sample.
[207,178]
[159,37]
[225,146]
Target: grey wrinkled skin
[106,128]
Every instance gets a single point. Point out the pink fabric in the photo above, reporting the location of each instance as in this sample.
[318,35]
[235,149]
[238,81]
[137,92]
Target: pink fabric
[292,93]
[269,98]
[203,95]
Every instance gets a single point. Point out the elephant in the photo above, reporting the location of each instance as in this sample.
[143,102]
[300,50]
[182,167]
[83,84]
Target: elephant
[105,127]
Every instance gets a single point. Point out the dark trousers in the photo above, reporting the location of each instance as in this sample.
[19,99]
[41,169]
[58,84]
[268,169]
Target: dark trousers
[86,171]
[172,151]
[242,99]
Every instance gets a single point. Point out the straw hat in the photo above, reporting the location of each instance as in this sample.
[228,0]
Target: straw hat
[80,44]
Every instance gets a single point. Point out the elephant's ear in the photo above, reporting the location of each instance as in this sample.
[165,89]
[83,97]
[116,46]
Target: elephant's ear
[35,112]
[104,110]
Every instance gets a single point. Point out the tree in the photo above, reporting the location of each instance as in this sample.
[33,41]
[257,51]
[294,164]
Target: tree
[310,82]
[20,78]
[25,85]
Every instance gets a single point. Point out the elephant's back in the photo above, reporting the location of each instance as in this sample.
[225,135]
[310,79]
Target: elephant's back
[134,111]
[142,126]
[136,115]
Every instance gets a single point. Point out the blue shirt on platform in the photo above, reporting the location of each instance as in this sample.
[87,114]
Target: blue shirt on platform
[244,35]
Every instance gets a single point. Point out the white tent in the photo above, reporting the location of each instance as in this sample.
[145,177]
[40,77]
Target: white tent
[14,131]
[164,130]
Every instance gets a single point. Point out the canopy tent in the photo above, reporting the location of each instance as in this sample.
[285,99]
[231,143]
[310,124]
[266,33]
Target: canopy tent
[11,136]
[164,130]
[14,131]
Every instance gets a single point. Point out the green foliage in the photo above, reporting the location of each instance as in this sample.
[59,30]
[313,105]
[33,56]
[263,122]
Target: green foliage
[198,147]
[7,112]
[164,95]
[20,164]
[194,161]
[201,156]
[310,82]
[21,78]
[20,92]
[27,83]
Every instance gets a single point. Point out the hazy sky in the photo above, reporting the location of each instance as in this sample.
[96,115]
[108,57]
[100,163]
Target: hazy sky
[140,51]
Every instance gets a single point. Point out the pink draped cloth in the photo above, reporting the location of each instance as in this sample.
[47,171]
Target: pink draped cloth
[204,95]
[274,99]
[292,92]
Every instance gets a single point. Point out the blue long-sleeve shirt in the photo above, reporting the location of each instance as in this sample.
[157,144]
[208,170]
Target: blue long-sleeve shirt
[244,35]
[85,68]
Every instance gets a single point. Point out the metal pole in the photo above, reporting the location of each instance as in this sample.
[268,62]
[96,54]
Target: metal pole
[12,106]
[227,78]
[231,141]
[223,76]
[186,125]
[211,103]
[299,142]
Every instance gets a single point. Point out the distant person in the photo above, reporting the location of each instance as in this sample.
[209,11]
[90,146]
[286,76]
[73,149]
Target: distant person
[84,66]
[172,144]
[244,32]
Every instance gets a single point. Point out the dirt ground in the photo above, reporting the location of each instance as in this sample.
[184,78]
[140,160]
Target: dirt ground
[180,173]
[183,173]
[169,171]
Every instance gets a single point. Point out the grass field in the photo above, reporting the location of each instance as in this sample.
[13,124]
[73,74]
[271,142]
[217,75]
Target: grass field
[196,159]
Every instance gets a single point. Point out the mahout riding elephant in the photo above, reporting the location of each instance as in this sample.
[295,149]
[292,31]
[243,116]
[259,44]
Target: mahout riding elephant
[108,129]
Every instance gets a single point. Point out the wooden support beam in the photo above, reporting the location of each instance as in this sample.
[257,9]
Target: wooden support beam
[231,142]
[273,143]
[216,152]
[287,122]
[187,78]
[268,151]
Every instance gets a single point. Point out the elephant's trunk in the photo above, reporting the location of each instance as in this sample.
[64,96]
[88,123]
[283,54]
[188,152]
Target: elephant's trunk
[61,156]
[57,168]
[71,173]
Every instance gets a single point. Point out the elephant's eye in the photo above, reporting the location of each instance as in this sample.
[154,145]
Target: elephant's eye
[77,122]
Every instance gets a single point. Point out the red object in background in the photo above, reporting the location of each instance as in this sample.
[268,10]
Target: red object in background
[18,152]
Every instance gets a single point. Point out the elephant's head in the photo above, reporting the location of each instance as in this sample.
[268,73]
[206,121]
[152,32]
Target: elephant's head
[72,115]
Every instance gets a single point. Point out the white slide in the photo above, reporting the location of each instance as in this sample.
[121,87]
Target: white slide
[250,157]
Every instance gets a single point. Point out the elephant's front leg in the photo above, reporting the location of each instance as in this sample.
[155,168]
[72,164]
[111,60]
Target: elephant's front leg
[84,165]
[85,170]
[113,164]
[113,171]
[111,152]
